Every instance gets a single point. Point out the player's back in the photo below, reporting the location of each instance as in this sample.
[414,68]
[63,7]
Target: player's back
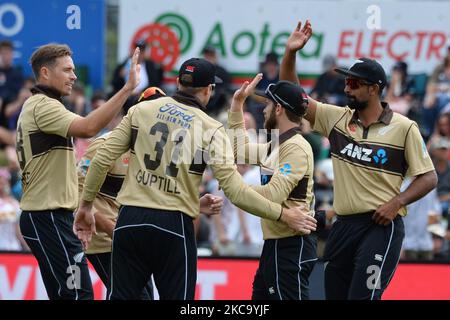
[169,150]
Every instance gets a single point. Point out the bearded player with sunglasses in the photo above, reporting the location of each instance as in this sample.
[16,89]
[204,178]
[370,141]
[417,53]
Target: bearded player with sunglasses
[372,149]
[287,170]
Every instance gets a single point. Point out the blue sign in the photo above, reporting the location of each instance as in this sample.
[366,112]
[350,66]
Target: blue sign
[79,24]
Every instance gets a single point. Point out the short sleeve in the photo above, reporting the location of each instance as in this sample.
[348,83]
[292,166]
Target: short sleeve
[416,153]
[327,116]
[53,118]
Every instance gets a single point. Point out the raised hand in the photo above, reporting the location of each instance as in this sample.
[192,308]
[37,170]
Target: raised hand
[243,92]
[299,37]
[134,75]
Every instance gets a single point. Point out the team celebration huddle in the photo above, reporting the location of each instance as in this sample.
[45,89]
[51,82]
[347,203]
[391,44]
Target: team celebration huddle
[130,204]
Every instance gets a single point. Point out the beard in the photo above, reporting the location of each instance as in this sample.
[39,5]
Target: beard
[356,104]
[271,122]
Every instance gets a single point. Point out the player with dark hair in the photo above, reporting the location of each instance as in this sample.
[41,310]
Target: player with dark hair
[372,149]
[287,172]
[171,140]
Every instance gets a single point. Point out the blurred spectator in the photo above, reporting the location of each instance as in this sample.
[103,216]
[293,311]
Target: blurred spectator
[11,79]
[418,243]
[235,232]
[250,236]
[400,90]
[270,68]
[151,74]
[313,138]
[438,88]
[250,127]
[97,99]
[10,237]
[330,85]
[8,157]
[439,153]
[76,102]
[437,92]
[323,192]
[442,129]
[12,109]
[222,90]
[224,228]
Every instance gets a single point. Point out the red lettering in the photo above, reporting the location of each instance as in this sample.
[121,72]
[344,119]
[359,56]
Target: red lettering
[358,53]
[390,45]
[343,43]
[420,36]
[437,41]
[376,44]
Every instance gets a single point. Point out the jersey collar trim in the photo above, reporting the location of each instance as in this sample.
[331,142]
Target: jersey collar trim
[188,99]
[48,91]
[289,134]
[385,116]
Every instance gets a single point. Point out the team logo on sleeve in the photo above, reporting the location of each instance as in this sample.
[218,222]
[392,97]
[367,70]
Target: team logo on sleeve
[286,169]
[84,165]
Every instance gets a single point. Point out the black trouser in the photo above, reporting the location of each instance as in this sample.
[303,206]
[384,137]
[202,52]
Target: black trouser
[102,264]
[284,268]
[59,253]
[361,256]
[154,242]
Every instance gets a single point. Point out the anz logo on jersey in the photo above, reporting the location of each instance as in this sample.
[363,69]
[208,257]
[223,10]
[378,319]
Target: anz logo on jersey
[365,154]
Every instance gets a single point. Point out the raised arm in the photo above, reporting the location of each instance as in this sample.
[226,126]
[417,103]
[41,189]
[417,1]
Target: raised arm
[296,41]
[90,125]
[241,195]
[243,150]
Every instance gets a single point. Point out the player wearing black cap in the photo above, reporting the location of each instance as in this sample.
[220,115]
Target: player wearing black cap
[171,141]
[287,171]
[372,150]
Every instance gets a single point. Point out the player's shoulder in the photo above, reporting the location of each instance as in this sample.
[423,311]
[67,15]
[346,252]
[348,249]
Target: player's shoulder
[297,143]
[402,125]
[209,121]
[41,100]
[331,108]
[150,105]
[101,138]
[401,120]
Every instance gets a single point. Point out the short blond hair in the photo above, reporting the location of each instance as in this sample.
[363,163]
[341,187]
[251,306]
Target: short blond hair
[46,55]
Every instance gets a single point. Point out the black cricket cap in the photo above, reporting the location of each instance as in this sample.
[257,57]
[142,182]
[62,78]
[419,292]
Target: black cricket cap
[366,69]
[197,72]
[289,95]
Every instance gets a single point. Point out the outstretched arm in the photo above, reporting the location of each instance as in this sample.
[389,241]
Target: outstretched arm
[243,150]
[296,41]
[96,120]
